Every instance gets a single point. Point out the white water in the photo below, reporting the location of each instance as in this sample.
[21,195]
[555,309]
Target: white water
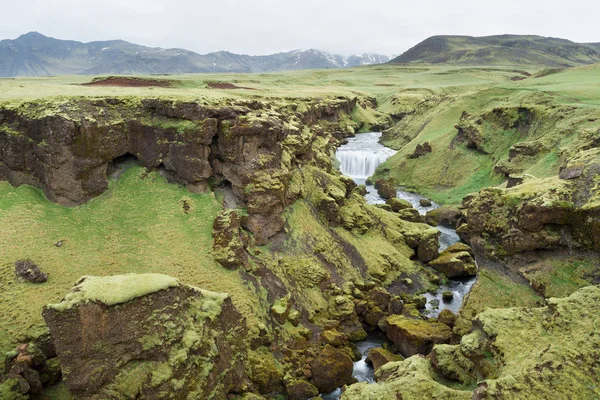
[361,156]
[359,159]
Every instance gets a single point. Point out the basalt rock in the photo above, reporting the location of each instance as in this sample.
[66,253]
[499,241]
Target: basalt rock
[27,270]
[148,336]
[425,202]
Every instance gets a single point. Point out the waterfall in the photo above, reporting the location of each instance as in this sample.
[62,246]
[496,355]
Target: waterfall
[362,155]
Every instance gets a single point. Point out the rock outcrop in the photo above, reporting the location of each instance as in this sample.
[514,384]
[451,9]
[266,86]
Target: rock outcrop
[67,149]
[148,336]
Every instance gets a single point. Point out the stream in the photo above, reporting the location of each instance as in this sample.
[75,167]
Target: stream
[359,159]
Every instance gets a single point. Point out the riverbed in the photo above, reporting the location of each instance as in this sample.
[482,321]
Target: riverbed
[359,158]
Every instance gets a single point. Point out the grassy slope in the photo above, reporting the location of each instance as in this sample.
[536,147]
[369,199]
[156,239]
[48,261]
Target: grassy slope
[449,173]
[138,225]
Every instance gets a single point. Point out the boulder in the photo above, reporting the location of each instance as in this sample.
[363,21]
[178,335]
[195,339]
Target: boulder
[455,265]
[379,356]
[571,172]
[447,295]
[331,369]
[148,336]
[398,204]
[385,188]
[443,215]
[425,202]
[301,390]
[447,317]
[411,215]
[27,270]
[414,336]
[428,248]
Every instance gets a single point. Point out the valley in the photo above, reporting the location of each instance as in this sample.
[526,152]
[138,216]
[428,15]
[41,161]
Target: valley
[216,215]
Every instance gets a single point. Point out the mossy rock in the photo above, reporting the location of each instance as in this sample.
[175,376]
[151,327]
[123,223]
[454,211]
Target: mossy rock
[301,390]
[455,264]
[413,336]
[331,369]
[379,356]
[398,204]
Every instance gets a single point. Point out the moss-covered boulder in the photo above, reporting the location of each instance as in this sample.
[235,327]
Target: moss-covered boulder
[455,264]
[415,336]
[398,204]
[385,188]
[331,369]
[447,317]
[379,356]
[301,390]
[148,336]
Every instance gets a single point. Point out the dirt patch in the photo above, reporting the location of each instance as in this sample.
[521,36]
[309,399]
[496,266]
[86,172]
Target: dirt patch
[226,85]
[122,81]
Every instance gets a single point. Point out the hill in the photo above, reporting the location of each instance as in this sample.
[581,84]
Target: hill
[502,50]
[34,54]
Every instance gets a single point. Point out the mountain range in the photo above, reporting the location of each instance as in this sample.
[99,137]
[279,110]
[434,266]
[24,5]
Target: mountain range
[502,50]
[34,54]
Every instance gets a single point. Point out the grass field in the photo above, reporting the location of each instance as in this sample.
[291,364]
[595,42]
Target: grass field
[138,225]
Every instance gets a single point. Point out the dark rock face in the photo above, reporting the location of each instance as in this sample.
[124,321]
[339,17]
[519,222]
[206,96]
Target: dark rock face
[332,369]
[69,154]
[27,270]
[179,339]
[421,150]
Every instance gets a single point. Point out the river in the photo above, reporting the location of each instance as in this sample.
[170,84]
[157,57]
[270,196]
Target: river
[359,159]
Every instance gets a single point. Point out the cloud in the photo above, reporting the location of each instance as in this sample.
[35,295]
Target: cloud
[267,26]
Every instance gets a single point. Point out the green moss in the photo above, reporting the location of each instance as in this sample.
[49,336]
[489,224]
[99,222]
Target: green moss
[117,289]
[161,374]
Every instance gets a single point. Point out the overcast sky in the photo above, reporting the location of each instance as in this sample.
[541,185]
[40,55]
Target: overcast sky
[268,26]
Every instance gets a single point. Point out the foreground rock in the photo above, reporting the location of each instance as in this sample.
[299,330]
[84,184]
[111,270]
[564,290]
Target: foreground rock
[148,336]
[332,369]
[561,362]
[415,336]
[27,270]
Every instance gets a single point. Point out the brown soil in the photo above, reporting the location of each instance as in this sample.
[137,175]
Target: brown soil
[226,85]
[129,82]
